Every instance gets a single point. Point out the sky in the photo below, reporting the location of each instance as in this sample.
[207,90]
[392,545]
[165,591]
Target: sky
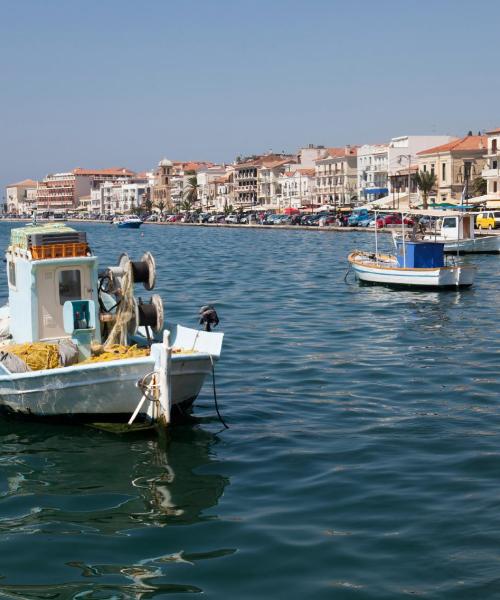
[101,83]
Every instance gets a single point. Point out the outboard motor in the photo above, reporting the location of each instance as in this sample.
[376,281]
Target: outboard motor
[208,317]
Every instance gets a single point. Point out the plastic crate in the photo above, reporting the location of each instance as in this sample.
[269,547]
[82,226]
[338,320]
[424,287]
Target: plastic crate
[59,251]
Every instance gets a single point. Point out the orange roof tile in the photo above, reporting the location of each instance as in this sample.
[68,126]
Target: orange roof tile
[116,171]
[469,142]
[493,131]
[24,183]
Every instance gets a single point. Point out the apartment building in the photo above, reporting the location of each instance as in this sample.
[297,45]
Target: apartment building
[373,171]
[251,190]
[62,191]
[337,177]
[296,188]
[20,197]
[491,171]
[454,163]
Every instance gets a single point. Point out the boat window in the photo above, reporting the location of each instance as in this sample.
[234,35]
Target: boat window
[449,222]
[69,285]
[12,274]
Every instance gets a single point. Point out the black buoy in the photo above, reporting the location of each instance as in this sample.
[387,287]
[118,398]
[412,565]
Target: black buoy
[208,317]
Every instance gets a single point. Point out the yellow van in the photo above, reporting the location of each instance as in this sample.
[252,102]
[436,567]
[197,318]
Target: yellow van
[488,219]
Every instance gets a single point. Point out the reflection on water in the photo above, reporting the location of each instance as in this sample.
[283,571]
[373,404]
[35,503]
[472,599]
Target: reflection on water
[63,483]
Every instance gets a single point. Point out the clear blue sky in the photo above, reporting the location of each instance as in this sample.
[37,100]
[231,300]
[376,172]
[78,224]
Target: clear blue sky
[99,83]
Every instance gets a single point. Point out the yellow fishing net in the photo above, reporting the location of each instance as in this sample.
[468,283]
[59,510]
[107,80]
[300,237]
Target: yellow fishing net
[115,352]
[38,355]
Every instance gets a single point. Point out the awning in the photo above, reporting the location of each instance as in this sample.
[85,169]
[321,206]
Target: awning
[371,191]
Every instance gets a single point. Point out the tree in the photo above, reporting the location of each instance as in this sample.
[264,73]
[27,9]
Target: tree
[161,207]
[479,186]
[425,181]
[186,205]
[148,205]
[191,191]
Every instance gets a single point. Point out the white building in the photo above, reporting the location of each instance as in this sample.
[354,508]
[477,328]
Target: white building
[20,197]
[491,171]
[206,178]
[373,162]
[296,188]
[403,150]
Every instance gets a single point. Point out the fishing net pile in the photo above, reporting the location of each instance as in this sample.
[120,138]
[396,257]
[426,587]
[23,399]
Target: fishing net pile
[37,356]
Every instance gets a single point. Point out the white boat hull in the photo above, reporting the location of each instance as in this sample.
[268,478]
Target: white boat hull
[387,272]
[108,390]
[481,243]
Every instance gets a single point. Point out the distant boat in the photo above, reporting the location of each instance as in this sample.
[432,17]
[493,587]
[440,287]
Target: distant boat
[417,263]
[128,223]
[456,232]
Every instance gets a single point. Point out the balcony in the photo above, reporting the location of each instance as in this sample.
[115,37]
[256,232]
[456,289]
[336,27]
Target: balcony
[491,173]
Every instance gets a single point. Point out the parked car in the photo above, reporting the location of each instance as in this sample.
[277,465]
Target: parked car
[393,219]
[488,219]
[358,216]
[232,218]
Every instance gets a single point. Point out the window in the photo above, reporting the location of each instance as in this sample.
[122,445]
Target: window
[70,287]
[443,171]
[425,168]
[432,169]
[12,274]
[495,187]
[449,222]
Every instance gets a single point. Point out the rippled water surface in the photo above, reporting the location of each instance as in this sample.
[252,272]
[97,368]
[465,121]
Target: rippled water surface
[362,459]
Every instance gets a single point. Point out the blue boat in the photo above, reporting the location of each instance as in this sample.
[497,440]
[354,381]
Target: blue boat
[128,223]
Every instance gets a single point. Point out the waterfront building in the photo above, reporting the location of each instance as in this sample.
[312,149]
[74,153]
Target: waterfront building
[373,172]
[336,177]
[224,191]
[491,171]
[62,191]
[268,187]
[452,163]
[20,197]
[308,155]
[206,178]
[296,188]
[181,174]
[402,155]
[250,190]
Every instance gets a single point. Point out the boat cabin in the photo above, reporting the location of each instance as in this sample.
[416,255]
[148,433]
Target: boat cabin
[52,279]
[457,227]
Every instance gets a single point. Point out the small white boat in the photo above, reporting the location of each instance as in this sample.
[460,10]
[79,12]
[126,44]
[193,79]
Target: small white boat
[385,269]
[417,263]
[115,359]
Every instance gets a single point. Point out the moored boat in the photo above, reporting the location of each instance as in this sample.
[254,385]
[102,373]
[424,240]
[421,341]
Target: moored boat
[455,229]
[417,263]
[76,344]
[386,269]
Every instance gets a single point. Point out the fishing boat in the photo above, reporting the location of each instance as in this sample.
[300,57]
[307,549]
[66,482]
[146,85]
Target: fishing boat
[128,222]
[77,344]
[417,263]
[455,229]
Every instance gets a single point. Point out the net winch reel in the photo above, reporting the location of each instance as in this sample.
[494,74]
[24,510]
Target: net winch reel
[147,314]
[112,282]
[143,271]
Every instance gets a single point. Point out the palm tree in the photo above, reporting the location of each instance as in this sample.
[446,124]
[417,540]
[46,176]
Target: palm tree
[161,207]
[479,186]
[191,191]
[425,181]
